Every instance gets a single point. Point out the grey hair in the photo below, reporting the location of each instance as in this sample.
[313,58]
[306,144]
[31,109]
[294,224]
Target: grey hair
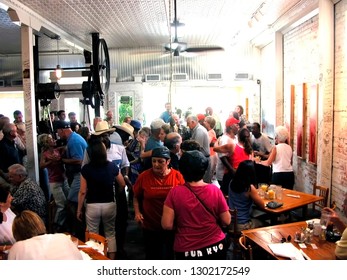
[8,128]
[18,169]
[193,118]
[281,133]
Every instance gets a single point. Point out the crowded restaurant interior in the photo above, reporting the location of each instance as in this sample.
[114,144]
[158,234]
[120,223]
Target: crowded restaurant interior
[173,130]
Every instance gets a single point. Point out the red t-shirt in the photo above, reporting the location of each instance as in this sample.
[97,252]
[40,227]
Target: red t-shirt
[238,156]
[152,191]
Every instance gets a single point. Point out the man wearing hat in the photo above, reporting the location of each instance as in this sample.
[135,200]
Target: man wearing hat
[150,191]
[75,148]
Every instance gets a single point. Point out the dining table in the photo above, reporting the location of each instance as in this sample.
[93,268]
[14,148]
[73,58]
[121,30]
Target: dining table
[262,237]
[291,199]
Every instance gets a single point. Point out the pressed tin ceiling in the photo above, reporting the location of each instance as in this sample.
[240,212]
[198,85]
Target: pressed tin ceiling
[146,23]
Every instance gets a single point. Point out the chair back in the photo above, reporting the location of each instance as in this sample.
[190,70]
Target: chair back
[320,191]
[246,249]
[97,238]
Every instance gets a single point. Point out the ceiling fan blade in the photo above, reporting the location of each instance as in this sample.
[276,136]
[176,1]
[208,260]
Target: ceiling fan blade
[204,49]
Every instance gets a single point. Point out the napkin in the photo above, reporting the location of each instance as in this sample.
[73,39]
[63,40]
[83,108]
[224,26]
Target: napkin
[95,245]
[286,250]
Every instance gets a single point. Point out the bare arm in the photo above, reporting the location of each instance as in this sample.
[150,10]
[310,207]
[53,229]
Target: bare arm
[81,197]
[226,163]
[335,219]
[146,154]
[120,181]
[138,214]
[225,217]
[227,148]
[167,220]
[256,198]
[271,157]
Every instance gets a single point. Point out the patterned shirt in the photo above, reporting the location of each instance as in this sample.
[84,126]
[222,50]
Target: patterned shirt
[29,196]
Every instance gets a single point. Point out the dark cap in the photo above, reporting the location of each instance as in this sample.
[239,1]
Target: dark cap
[61,125]
[161,152]
[135,124]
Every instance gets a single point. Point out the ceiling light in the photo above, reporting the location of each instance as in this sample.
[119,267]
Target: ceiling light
[58,70]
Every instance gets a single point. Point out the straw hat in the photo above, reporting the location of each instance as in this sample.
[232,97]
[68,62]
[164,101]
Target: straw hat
[126,128]
[102,127]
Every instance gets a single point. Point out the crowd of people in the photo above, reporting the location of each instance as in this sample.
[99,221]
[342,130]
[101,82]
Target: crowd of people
[180,176]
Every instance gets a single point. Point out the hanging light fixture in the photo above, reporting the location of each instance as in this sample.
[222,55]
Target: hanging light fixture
[58,69]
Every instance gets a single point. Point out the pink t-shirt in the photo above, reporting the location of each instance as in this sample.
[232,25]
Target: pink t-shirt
[195,226]
[56,171]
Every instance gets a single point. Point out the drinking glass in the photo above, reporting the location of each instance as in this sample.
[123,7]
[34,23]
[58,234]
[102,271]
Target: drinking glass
[325,218]
[279,192]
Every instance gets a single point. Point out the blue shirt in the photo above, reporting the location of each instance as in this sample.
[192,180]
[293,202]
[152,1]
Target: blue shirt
[76,145]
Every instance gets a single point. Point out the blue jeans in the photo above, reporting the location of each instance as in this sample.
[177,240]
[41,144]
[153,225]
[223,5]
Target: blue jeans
[60,191]
[75,187]
[105,212]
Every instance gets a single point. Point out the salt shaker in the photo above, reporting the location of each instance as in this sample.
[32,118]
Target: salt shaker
[308,236]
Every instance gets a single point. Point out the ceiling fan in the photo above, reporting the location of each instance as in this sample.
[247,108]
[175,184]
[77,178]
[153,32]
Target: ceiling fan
[178,47]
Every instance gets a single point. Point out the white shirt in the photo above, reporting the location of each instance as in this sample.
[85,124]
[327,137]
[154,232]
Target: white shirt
[220,168]
[282,162]
[56,246]
[6,236]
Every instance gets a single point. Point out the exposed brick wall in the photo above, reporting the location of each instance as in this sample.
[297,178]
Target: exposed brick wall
[302,64]
[339,174]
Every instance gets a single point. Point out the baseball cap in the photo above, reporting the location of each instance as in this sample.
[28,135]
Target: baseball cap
[61,125]
[230,121]
[161,152]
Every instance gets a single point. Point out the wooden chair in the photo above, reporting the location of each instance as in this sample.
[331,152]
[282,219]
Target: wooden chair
[320,191]
[315,211]
[232,232]
[246,250]
[97,238]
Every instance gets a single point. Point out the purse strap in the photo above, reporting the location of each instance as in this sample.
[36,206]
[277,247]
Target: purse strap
[202,203]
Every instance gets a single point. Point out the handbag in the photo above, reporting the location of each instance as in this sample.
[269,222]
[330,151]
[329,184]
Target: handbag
[219,222]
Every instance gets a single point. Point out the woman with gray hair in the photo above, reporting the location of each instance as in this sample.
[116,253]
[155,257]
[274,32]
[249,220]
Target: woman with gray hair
[281,159]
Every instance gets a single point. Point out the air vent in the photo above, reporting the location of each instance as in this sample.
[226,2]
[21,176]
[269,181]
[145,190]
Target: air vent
[16,83]
[214,77]
[180,77]
[243,76]
[153,78]
[2,83]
